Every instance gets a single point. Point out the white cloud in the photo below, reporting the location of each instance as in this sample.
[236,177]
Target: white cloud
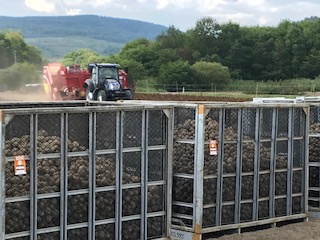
[180,13]
[40,6]
[254,3]
[73,12]
[98,3]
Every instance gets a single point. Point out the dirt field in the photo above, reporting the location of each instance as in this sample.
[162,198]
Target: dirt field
[297,231]
[39,96]
[35,96]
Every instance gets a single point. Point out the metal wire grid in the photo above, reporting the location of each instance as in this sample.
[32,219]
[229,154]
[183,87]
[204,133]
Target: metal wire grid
[314,158]
[258,174]
[63,210]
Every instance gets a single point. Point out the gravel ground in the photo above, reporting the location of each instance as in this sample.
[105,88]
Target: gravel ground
[297,231]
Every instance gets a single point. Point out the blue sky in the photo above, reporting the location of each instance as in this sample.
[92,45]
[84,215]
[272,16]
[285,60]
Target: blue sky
[183,14]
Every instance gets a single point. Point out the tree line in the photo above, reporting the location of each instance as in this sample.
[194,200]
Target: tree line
[216,53]
[19,62]
[209,53]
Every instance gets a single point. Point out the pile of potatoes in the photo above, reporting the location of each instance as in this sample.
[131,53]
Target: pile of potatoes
[183,162]
[49,181]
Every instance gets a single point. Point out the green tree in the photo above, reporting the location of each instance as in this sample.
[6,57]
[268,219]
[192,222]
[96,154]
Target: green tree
[177,73]
[211,73]
[19,74]
[80,56]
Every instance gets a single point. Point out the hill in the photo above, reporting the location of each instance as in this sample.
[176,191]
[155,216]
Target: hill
[56,36]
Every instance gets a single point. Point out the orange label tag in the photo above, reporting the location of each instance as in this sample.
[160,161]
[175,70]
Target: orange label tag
[20,166]
[213,147]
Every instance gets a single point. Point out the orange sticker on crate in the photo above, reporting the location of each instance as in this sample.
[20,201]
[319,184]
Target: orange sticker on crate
[213,147]
[20,166]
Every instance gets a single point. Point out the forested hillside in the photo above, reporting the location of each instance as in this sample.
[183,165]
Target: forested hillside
[214,53]
[56,36]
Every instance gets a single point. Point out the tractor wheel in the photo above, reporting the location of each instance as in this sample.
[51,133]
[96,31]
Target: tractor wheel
[102,96]
[128,95]
[89,95]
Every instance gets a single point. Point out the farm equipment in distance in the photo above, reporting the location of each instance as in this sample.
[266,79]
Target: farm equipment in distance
[103,81]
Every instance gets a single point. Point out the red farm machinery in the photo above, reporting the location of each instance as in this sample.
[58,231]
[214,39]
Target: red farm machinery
[103,81]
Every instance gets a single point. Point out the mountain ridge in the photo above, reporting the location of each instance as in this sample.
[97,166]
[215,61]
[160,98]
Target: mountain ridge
[115,32]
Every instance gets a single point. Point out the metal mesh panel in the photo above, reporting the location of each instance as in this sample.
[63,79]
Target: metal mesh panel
[299,122]
[209,217]
[132,126]
[280,207]
[49,236]
[297,205]
[17,185]
[131,201]
[210,162]
[131,230]
[105,170]
[48,212]
[156,127]
[22,238]
[212,125]
[48,179]
[185,219]
[78,132]
[297,182]
[314,159]
[17,216]
[315,117]
[264,184]
[283,124]
[282,155]
[231,124]
[248,151]
[314,152]
[17,136]
[263,210]
[298,153]
[105,205]
[249,123]
[228,189]
[227,214]
[156,165]
[79,233]
[106,130]
[183,191]
[183,158]
[280,183]
[49,130]
[209,191]
[156,227]
[266,123]
[131,167]
[265,156]
[230,158]
[247,187]
[78,173]
[77,208]
[155,199]
[246,211]
[104,232]
[184,117]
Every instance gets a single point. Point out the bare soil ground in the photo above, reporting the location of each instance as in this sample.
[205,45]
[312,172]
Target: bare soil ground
[297,231]
[32,96]
[39,96]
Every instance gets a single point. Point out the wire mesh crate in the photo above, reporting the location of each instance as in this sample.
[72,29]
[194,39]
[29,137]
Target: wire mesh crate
[238,165]
[85,172]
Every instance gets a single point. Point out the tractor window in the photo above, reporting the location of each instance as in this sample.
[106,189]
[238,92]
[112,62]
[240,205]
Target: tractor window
[108,73]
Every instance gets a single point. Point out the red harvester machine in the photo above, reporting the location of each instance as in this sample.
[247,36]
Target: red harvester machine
[101,82]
